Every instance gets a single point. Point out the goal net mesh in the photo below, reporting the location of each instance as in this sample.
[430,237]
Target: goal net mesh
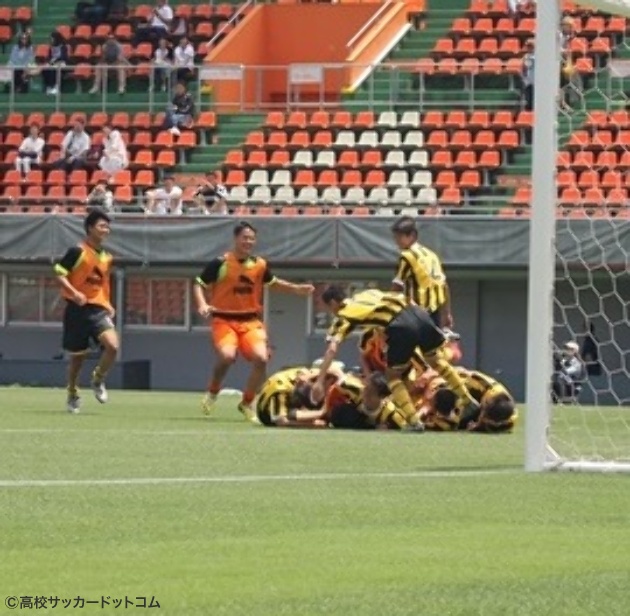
[590,415]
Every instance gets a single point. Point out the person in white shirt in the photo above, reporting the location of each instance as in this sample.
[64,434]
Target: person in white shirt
[159,24]
[100,198]
[162,61]
[165,200]
[184,59]
[30,151]
[115,155]
[74,148]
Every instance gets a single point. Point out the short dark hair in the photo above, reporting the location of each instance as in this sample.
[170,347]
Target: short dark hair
[500,408]
[379,382]
[242,226]
[333,293]
[405,225]
[444,401]
[93,217]
[300,397]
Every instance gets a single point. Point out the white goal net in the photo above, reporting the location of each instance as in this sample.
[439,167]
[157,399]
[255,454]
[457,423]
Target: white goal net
[582,413]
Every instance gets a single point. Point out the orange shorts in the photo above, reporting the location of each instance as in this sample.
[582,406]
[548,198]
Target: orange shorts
[242,335]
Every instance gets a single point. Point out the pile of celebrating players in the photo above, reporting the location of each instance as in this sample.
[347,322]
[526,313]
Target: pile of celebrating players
[360,399]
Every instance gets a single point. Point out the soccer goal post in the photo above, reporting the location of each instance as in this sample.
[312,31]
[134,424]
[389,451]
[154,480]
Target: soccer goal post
[579,262]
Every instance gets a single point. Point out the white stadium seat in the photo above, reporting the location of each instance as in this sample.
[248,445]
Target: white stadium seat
[398,178]
[421,179]
[261,194]
[258,177]
[331,195]
[387,119]
[391,139]
[303,158]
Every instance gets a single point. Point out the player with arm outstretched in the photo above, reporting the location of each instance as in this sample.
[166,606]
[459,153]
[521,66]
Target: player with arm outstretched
[235,282]
[405,327]
[84,276]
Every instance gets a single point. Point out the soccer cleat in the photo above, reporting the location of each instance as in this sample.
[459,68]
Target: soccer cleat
[248,412]
[207,403]
[73,403]
[100,391]
[450,335]
[415,427]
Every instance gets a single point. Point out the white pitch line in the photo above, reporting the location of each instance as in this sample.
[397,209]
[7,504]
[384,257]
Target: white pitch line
[200,432]
[148,481]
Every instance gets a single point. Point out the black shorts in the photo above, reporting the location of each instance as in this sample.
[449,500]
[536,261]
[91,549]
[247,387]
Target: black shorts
[349,417]
[412,328]
[83,325]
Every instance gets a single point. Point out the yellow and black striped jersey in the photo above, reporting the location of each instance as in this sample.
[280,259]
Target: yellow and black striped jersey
[371,308]
[421,274]
[479,384]
[275,394]
[483,389]
[347,391]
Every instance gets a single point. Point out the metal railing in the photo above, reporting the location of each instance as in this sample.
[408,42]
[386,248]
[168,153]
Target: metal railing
[245,88]
[477,204]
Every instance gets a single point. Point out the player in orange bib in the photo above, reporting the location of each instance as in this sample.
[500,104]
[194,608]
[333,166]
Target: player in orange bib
[84,273]
[236,281]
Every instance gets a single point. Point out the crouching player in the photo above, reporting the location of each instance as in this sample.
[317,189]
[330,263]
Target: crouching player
[497,411]
[437,404]
[364,405]
[404,326]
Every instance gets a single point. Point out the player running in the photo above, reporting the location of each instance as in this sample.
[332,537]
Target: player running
[84,275]
[236,281]
[405,327]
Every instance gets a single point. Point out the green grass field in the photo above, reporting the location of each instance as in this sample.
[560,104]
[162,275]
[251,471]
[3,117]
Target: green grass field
[144,497]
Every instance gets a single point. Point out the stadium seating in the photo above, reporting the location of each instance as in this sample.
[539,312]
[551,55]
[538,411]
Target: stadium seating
[359,162]
[428,159]
[151,150]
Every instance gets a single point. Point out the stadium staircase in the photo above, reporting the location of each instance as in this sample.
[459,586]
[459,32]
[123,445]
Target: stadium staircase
[232,129]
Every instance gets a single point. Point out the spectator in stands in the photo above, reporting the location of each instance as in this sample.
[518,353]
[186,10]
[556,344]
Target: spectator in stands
[30,151]
[115,157]
[211,196]
[96,13]
[527,76]
[184,60]
[181,111]
[165,200]
[57,57]
[566,34]
[22,56]
[74,148]
[111,55]
[569,373]
[159,25]
[570,82]
[101,198]
[162,61]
